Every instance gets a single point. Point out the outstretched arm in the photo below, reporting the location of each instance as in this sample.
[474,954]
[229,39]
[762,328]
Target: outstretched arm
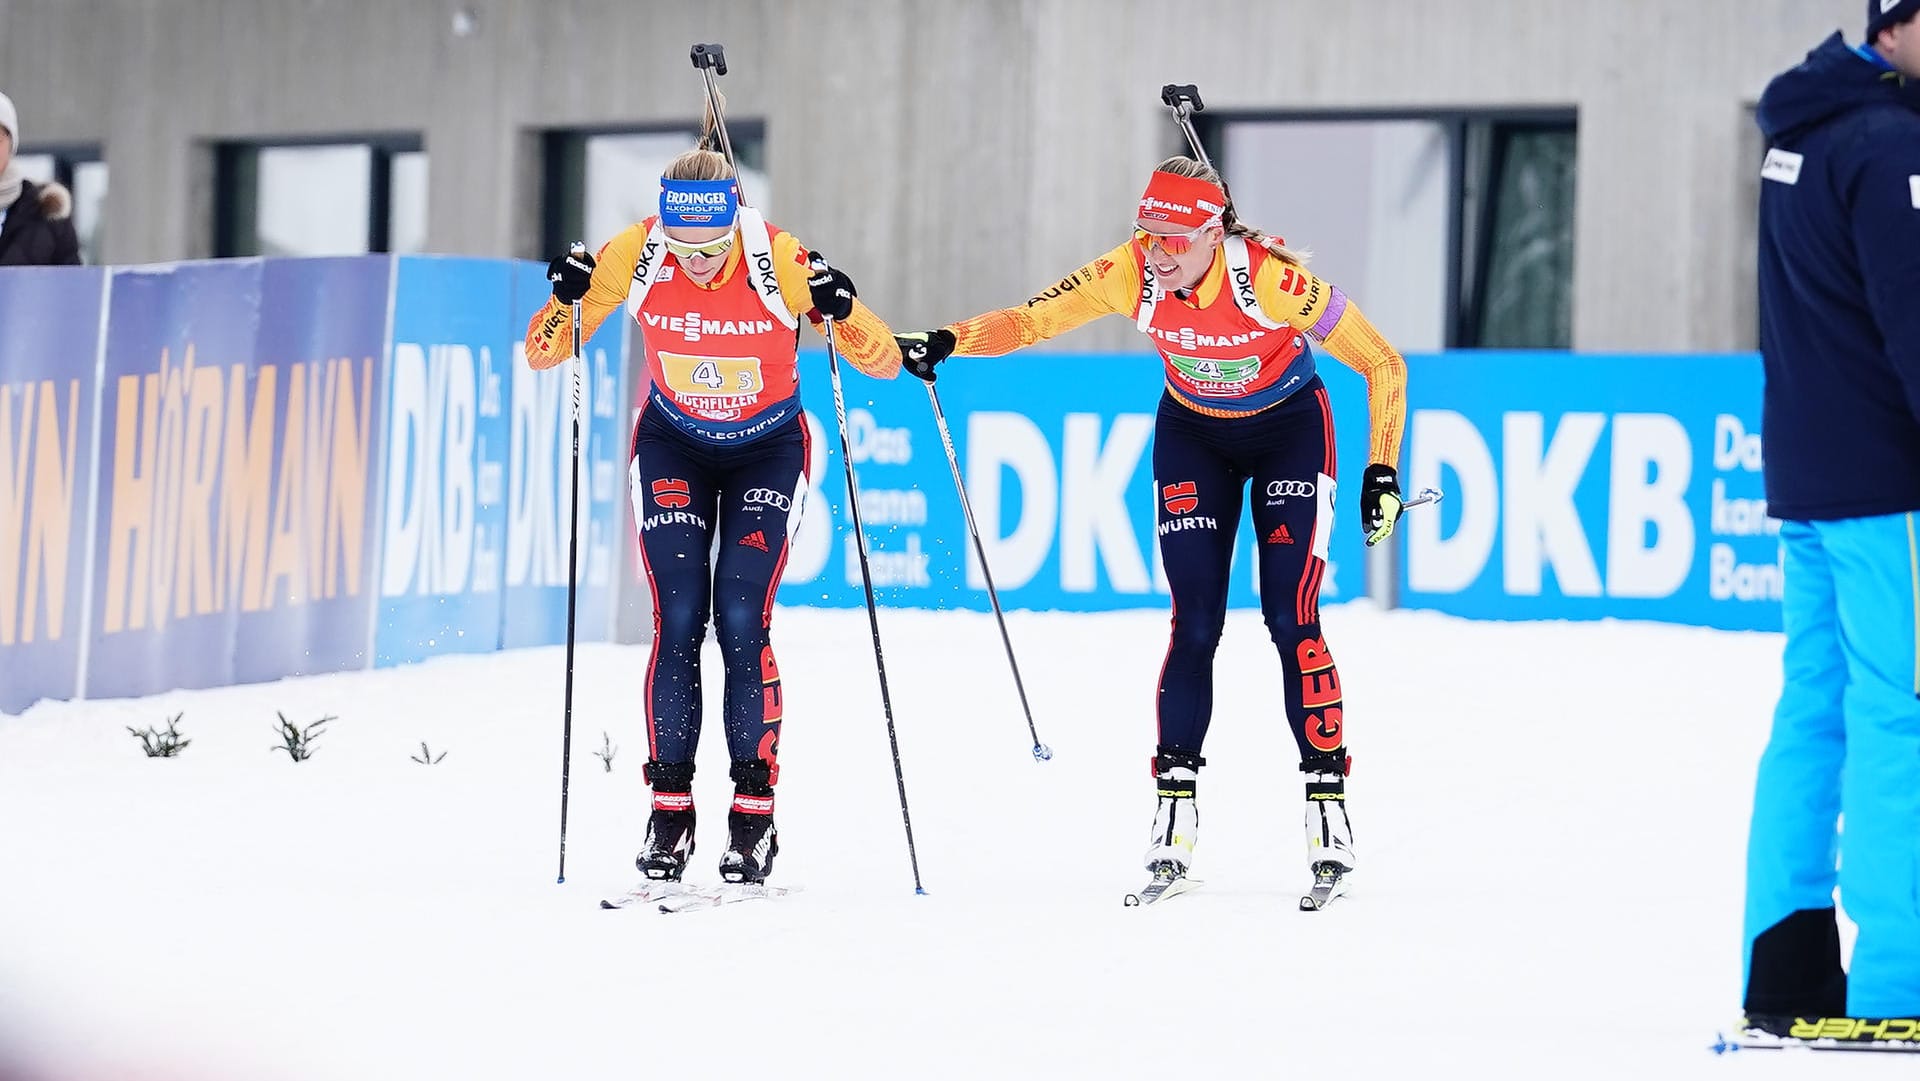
[1108,285]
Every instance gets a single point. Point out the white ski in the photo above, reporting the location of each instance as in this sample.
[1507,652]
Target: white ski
[649,890]
[1168,881]
[726,893]
[1329,882]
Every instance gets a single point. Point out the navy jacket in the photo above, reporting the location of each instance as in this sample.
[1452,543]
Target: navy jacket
[1840,288]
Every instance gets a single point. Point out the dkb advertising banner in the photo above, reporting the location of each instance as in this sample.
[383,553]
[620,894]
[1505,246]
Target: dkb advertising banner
[1583,487]
[539,480]
[444,524]
[1057,453]
[49,341]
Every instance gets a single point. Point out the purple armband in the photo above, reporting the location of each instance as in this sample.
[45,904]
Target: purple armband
[1336,307]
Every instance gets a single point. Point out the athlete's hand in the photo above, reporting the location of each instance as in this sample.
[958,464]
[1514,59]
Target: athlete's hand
[570,274]
[923,350]
[1379,503]
[832,290]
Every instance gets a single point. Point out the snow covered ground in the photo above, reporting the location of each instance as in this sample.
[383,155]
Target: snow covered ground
[1551,820]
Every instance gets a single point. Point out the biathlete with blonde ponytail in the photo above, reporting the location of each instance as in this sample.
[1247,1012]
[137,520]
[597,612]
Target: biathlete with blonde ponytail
[1230,311]
[720,450]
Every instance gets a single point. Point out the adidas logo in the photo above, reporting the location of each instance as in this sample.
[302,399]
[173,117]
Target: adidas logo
[755,539]
[1280,536]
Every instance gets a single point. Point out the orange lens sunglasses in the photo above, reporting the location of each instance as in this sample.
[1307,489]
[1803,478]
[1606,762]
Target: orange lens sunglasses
[1174,244]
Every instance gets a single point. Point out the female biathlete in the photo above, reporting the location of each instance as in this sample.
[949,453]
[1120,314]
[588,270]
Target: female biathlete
[720,449]
[1230,311]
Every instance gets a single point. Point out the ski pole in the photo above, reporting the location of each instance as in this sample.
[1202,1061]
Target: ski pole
[1185,101]
[578,251]
[1041,752]
[711,61]
[866,582]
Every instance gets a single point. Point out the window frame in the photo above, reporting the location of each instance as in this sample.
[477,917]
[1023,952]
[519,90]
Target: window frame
[66,157]
[1467,265]
[234,159]
[563,187]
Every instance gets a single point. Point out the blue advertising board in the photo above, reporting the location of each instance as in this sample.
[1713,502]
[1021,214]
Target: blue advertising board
[181,529]
[1056,451]
[444,523]
[48,375]
[1583,487]
[232,536]
[539,481]
[260,468]
[323,323]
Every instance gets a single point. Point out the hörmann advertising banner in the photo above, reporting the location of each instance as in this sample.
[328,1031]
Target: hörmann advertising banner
[232,536]
[1056,450]
[48,350]
[1583,487]
[323,325]
[444,525]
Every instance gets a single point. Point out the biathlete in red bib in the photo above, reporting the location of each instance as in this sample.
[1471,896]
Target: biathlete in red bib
[1231,312]
[720,451]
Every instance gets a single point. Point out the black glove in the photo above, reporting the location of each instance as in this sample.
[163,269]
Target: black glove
[1379,502]
[833,291]
[923,350]
[570,275]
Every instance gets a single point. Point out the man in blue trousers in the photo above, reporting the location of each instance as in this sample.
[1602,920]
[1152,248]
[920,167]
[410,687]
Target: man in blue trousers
[1840,340]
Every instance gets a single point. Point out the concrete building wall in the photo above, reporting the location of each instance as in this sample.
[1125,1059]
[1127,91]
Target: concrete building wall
[954,155]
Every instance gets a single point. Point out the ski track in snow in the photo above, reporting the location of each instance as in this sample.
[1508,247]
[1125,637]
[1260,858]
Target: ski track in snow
[1551,822]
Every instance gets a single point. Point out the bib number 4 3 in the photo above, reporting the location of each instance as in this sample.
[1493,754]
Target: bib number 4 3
[696,375]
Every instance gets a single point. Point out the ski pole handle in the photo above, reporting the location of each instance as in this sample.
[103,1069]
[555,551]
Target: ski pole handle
[578,250]
[1426,495]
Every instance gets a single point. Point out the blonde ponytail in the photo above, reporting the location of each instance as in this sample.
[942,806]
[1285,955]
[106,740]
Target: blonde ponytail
[704,161]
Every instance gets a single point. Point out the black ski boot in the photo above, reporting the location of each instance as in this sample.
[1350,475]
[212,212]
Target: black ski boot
[669,842]
[752,841]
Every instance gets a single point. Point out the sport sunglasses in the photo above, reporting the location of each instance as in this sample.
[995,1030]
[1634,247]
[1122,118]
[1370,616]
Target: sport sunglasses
[710,249]
[1175,244]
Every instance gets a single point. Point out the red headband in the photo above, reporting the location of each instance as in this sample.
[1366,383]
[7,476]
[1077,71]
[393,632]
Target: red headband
[1185,201]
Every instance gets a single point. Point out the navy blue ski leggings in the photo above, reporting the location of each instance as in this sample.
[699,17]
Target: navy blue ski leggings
[684,489]
[1202,466]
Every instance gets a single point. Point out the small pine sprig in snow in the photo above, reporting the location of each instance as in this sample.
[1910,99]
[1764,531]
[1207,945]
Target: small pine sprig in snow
[607,751]
[427,757]
[159,744]
[296,741]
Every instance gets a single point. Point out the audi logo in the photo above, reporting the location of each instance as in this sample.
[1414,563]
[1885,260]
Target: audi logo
[1281,488]
[768,497]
